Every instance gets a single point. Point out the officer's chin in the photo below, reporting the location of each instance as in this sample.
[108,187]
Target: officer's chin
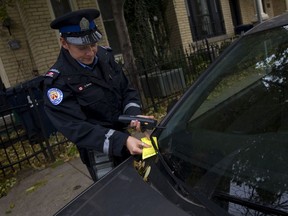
[87,61]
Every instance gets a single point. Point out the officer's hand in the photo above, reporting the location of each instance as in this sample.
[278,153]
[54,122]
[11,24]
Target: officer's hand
[137,125]
[135,146]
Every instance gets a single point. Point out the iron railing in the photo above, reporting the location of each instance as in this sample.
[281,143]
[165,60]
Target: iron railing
[27,137]
[164,81]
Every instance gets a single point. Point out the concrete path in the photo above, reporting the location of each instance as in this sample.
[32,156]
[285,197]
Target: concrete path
[43,193]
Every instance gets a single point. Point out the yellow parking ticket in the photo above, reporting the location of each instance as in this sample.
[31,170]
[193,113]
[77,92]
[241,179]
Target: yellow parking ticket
[149,152]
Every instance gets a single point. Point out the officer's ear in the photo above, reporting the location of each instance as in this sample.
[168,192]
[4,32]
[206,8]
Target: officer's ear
[63,43]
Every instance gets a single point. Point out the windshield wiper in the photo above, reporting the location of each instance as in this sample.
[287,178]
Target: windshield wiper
[189,193]
[248,203]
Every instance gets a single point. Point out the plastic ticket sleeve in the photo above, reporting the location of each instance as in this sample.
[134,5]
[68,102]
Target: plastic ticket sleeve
[148,152]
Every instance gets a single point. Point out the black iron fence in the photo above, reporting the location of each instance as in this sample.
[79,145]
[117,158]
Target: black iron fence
[162,81]
[27,137]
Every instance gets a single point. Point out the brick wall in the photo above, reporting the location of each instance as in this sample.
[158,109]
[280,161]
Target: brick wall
[177,16]
[274,7]
[268,7]
[248,12]
[17,63]
[278,6]
[39,43]
[228,23]
[180,28]
[41,38]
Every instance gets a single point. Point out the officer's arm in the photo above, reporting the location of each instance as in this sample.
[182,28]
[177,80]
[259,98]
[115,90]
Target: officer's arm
[67,116]
[131,104]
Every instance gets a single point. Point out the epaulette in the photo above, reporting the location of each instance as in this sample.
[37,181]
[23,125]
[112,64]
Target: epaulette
[53,73]
[107,48]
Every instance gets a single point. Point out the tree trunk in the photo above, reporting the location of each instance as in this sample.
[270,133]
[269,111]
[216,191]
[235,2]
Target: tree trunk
[125,43]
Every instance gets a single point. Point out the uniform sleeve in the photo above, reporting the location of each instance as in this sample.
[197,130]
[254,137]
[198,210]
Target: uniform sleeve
[131,102]
[66,115]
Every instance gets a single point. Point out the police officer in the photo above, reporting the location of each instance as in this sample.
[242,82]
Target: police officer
[85,91]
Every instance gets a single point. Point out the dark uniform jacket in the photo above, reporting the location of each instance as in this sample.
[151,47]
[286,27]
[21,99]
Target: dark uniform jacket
[84,104]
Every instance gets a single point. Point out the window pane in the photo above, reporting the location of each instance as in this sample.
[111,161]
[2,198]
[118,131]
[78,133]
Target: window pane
[206,19]
[60,7]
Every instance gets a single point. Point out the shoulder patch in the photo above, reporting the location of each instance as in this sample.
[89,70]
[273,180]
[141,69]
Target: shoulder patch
[53,73]
[55,96]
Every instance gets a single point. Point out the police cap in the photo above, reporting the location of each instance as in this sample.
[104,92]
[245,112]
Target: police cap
[78,27]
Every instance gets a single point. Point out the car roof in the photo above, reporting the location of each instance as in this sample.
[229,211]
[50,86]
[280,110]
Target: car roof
[274,22]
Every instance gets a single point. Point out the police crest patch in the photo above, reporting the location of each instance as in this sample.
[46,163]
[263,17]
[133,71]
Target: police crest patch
[55,95]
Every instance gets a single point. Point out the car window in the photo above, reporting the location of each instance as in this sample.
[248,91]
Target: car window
[229,138]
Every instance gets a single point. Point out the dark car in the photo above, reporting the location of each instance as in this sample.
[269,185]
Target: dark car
[222,149]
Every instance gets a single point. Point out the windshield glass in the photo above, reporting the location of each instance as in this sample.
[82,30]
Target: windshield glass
[229,139]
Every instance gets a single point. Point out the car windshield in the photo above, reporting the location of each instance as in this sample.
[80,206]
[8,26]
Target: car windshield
[229,138]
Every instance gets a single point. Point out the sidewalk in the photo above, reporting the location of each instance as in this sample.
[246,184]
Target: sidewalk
[44,192]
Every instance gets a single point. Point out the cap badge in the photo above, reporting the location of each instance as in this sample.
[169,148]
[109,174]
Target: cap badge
[84,24]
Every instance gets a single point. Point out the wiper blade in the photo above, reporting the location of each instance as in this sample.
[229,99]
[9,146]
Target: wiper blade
[249,203]
[188,193]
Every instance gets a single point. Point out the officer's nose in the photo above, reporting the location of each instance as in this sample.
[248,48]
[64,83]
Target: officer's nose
[90,50]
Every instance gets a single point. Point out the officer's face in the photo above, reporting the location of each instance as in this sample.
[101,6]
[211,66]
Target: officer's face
[83,53]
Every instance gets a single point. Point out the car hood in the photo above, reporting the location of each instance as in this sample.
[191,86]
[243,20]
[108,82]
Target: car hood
[121,192]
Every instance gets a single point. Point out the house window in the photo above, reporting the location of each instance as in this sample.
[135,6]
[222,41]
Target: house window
[109,24]
[206,19]
[61,7]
